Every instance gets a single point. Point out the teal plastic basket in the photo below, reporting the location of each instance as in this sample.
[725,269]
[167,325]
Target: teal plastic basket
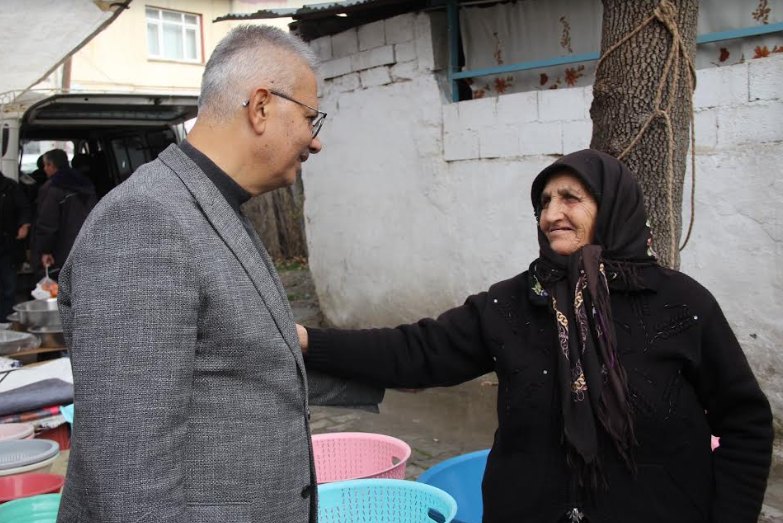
[35,509]
[383,501]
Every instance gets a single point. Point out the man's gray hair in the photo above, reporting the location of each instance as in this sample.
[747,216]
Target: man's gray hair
[247,57]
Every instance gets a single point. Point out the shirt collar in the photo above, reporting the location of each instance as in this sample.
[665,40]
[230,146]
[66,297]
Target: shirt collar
[234,194]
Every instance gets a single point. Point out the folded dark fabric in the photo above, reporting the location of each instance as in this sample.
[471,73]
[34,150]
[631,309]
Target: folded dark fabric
[36,395]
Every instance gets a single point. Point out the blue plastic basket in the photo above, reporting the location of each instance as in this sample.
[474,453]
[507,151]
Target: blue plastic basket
[461,477]
[383,501]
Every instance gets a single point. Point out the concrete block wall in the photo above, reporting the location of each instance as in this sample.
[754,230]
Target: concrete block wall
[733,106]
[534,123]
[739,105]
[376,54]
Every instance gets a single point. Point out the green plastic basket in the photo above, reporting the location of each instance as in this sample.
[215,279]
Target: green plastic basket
[35,509]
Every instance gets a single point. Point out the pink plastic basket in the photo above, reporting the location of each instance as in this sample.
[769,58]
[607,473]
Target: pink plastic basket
[357,455]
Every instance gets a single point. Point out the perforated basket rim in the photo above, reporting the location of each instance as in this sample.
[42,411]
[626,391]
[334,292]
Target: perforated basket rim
[404,483]
[371,436]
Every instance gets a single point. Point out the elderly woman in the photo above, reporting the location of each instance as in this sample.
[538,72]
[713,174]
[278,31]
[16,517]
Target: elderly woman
[613,370]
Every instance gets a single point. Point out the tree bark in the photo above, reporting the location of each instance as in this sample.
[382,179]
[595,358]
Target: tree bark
[624,96]
[278,219]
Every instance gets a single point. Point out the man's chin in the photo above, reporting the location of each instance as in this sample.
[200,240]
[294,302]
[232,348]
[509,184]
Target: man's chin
[290,179]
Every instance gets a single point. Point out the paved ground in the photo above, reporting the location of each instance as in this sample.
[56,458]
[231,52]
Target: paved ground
[438,423]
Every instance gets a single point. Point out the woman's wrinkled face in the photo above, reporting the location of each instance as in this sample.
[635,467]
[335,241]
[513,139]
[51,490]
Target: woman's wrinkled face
[568,214]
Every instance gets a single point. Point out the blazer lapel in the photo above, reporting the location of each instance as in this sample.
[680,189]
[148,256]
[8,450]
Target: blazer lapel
[230,228]
[270,266]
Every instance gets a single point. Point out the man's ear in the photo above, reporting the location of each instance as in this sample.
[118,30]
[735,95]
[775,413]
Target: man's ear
[258,109]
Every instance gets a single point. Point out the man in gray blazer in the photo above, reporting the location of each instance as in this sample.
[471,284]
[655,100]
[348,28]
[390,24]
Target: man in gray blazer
[191,395]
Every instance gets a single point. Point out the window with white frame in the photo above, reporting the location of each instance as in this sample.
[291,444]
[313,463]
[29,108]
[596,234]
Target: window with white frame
[173,35]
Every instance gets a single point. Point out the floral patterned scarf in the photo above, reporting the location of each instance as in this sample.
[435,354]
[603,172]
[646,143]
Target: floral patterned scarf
[594,387]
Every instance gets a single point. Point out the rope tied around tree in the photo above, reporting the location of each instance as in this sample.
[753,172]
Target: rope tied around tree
[666,13]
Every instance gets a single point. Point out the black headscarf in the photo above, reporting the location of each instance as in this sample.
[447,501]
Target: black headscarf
[594,386]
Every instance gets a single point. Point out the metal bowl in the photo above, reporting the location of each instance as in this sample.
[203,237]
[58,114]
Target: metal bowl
[11,342]
[39,313]
[51,337]
[15,323]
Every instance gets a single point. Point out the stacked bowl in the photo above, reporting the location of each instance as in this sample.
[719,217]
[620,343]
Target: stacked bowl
[21,486]
[24,467]
[23,456]
[41,320]
[16,431]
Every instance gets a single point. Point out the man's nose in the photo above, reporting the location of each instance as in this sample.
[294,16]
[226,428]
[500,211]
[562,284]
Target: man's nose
[315,145]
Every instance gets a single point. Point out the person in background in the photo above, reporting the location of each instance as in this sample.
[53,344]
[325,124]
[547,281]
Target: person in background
[613,370]
[34,181]
[15,215]
[64,202]
[81,163]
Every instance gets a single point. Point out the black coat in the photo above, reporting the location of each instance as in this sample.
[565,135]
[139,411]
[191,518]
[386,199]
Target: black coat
[15,211]
[64,202]
[681,357]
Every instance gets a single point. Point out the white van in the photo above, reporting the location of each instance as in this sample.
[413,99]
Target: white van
[114,133]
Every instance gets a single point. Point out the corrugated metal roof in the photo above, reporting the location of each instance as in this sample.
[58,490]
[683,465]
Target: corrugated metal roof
[324,8]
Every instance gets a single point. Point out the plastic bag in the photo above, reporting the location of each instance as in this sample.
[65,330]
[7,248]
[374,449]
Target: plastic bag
[44,289]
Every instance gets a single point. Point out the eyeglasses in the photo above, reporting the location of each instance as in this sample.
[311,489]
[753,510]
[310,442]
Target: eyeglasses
[318,120]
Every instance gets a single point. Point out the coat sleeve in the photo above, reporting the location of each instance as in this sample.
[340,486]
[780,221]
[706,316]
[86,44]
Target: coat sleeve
[739,413]
[429,353]
[23,211]
[47,223]
[129,307]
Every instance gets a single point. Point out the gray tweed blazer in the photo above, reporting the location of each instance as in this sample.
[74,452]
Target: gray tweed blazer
[191,394]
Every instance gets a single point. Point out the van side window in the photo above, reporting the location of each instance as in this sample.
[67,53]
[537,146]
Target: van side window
[6,138]
[158,140]
[136,152]
[121,156]
[129,154]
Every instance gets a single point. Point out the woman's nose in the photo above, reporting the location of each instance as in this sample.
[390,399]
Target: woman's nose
[553,212]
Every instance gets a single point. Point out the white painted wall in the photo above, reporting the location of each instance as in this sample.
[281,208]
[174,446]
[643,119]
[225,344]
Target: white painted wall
[416,202]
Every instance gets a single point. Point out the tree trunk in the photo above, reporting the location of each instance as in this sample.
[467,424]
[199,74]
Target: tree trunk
[278,219]
[624,97]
